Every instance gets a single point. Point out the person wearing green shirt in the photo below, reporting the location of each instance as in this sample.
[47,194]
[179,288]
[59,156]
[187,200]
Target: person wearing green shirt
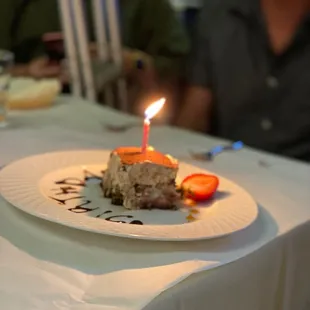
[154,41]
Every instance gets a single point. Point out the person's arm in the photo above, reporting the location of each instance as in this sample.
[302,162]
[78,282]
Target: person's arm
[38,68]
[196,112]
[197,107]
[20,70]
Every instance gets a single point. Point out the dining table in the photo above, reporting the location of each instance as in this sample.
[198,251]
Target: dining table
[47,266]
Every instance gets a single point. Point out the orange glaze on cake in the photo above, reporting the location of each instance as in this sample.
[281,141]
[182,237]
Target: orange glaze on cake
[130,155]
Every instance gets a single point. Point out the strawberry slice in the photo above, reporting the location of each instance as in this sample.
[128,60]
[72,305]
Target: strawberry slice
[199,187]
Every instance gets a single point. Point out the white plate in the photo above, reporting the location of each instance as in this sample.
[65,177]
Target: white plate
[36,185]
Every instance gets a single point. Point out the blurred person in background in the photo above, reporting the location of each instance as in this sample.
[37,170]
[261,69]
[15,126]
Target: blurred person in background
[249,76]
[153,38]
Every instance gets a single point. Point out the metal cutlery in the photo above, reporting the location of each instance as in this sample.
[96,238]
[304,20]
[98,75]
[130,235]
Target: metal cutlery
[125,127]
[120,128]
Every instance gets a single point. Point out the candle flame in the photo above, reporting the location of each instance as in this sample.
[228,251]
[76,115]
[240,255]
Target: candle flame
[154,108]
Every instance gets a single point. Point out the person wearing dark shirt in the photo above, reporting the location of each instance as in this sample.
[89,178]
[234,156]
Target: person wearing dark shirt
[249,75]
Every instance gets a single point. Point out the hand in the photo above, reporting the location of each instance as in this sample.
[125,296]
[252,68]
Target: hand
[42,68]
[130,59]
[145,76]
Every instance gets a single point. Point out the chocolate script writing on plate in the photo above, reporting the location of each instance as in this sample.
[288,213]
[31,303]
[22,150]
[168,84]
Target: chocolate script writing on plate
[69,189]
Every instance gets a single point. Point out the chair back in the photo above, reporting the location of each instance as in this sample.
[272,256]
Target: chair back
[89,75]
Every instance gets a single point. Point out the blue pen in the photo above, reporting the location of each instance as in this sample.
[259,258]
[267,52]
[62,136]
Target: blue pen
[236,146]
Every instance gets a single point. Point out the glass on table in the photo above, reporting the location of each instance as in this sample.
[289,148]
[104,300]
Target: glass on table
[6,63]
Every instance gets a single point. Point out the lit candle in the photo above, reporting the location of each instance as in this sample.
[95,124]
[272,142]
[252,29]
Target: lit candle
[146,131]
[149,113]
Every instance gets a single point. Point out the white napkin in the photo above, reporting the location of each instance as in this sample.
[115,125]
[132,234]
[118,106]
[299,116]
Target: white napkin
[51,267]
[39,284]
[45,266]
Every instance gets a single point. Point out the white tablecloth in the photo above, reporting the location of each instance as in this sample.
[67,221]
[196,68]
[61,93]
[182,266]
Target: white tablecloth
[273,273]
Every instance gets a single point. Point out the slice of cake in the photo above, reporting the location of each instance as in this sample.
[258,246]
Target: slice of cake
[139,180]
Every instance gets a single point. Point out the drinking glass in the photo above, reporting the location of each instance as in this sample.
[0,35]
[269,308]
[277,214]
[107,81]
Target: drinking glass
[6,63]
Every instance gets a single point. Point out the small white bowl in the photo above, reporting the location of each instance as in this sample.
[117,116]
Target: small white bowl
[26,93]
